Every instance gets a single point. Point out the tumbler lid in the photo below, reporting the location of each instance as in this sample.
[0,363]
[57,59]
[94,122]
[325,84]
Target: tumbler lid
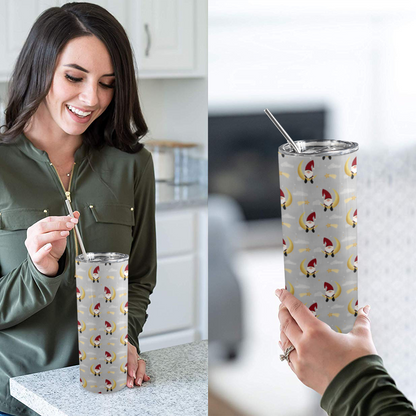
[319,148]
[110,257]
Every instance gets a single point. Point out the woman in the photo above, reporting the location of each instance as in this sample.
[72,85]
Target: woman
[344,368]
[73,122]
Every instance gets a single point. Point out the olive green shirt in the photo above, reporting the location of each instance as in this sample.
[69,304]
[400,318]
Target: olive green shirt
[364,388]
[38,314]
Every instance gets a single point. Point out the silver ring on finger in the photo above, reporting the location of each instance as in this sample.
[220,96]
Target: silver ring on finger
[285,356]
[140,359]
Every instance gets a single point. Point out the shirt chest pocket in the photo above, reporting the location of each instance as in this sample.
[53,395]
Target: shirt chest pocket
[20,218]
[112,228]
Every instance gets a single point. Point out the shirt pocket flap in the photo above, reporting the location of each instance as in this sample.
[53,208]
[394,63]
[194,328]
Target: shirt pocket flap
[21,218]
[113,214]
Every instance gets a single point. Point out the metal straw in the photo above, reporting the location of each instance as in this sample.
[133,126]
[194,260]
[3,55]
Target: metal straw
[282,130]
[84,253]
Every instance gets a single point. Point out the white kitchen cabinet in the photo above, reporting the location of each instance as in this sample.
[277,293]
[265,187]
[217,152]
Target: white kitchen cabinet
[168,37]
[177,312]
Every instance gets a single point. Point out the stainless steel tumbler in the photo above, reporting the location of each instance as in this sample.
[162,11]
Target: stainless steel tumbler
[318,198]
[102,299]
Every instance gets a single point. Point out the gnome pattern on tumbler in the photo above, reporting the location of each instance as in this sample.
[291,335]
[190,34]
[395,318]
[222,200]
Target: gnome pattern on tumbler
[318,197]
[102,300]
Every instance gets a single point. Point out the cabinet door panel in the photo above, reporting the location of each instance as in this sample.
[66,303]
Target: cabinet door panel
[172,302]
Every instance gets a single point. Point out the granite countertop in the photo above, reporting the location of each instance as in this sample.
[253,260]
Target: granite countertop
[180,196]
[178,386]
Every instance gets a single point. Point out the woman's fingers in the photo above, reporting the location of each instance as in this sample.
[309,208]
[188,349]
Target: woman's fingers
[289,326]
[299,312]
[141,372]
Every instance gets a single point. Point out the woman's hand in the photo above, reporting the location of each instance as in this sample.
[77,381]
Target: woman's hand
[136,370]
[45,243]
[320,352]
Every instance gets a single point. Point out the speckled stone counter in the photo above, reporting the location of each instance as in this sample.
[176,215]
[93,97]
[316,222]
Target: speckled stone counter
[178,386]
[182,196]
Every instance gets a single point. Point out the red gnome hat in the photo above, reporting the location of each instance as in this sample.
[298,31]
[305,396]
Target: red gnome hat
[97,306]
[311,217]
[312,263]
[127,268]
[107,323]
[326,194]
[327,286]
[356,303]
[97,269]
[310,165]
[108,355]
[97,338]
[355,213]
[356,259]
[284,242]
[354,162]
[107,290]
[327,242]
[282,194]
[313,307]
[98,367]
[108,382]
[78,291]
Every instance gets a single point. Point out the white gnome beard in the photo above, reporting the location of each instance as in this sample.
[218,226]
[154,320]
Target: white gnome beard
[329,249]
[354,169]
[327,202]
[356,264]
[308,173]
[282,200]
[311,269]
[330,293]
[310,224]
[354,219]
[284,247]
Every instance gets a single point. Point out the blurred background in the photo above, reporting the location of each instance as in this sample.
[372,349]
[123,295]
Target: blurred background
[327,70]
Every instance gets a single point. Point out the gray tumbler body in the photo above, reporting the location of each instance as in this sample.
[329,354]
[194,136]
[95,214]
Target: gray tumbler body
[318,198]
[102,300]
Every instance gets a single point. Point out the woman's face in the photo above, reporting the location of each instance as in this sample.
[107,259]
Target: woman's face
[84,79]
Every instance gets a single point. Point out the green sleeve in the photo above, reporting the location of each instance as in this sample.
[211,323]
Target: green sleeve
[364,388]
[142,260]
[25,291]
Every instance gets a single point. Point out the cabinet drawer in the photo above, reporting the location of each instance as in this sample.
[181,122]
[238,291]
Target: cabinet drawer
[175,232]
[172,302]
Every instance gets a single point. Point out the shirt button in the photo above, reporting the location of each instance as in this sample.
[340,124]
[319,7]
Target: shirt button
[91,206]
[45,210]
[132,209]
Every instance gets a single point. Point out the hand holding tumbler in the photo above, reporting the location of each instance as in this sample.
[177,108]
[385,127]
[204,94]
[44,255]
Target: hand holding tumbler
[318,198]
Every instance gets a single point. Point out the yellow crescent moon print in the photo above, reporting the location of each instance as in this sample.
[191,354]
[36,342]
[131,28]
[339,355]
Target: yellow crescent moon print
[122,308]
[122,340]
[349,220]
[89,273]
[83,326]
[92,369]
[349,263]
[338,292]
[302,268]
[289,198]
[347,169]
[301,222]
[351,310]
[336,200]
[114,293]
[292,290]
[300,173]
[91,340]
[338,329]
[82,293]
[122,272]
[338,246]
[91,311]
[114,326]
[83,355]
[290,246]
[122,369]
[84,383]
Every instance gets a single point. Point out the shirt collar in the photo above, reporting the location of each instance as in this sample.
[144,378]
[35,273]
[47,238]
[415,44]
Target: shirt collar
[28,148]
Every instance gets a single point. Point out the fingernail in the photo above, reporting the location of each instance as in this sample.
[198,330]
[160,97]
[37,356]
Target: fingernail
[74,220]
[366,309]
[278,292]
[140,381]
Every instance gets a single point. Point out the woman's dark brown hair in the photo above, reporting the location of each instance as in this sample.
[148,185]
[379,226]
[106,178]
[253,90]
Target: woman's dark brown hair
[122,124]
